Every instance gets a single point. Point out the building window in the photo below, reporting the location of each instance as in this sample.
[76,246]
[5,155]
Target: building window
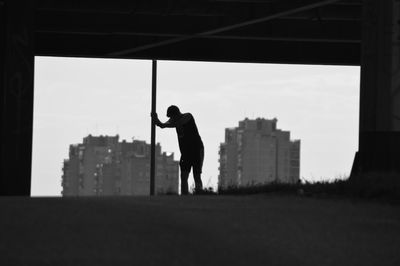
[259,124]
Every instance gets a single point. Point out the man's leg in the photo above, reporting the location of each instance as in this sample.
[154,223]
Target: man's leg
[184,183]
[197,169]
[197,182]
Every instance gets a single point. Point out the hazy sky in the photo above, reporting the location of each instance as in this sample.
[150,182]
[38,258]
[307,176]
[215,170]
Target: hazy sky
[75,97]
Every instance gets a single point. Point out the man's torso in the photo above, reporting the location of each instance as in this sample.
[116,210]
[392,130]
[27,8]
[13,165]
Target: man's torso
[189,137]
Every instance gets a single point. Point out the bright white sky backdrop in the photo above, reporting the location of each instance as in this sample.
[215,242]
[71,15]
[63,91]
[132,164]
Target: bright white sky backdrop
[75,97]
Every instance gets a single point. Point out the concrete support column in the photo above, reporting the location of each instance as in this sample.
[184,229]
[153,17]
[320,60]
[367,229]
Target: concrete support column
[395,86]
[379,137]
[16,83]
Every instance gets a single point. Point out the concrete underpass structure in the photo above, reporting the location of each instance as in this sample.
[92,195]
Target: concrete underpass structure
[337,32]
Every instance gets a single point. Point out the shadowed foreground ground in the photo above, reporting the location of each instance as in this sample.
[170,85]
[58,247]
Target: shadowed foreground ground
[203,230]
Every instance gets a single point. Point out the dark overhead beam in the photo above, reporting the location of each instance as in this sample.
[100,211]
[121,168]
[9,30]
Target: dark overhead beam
[327,34]
[330,12]
[149,7]
[90,5]
[157,7]
[342,2]
[317,30]
[350,3]
[226,37]
[64,22]
[163,6]
[217,50]
[227,28]
[290,30]
[243,1]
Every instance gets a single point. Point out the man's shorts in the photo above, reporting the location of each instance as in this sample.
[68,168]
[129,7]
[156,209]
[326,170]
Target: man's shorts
[193,159]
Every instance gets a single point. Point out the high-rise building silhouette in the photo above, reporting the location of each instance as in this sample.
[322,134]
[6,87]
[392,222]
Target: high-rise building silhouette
[256,152]
[103,166]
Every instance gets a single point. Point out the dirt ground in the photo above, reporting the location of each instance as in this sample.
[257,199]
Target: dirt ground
[198,230]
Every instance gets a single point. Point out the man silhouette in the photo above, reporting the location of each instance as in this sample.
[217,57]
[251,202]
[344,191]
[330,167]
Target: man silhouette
[190,145]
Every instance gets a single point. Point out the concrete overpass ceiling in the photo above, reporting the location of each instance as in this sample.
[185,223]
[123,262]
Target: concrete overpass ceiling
[280,31]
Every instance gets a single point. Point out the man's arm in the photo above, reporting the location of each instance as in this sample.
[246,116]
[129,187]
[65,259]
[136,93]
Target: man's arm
[171,122]
[161,124]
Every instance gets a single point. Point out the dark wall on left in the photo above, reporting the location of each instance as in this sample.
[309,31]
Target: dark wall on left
[17,76]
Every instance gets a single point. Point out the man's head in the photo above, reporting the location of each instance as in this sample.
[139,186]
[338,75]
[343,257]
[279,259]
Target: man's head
[173,111]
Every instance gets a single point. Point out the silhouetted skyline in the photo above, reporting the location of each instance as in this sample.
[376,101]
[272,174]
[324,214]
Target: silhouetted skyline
[108,166]
[258,152]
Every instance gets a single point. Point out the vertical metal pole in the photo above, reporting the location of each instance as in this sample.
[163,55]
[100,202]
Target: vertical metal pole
[276,159]
[153,128]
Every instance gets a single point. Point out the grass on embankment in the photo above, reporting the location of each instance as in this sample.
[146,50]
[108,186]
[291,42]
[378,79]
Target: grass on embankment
[366,187]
